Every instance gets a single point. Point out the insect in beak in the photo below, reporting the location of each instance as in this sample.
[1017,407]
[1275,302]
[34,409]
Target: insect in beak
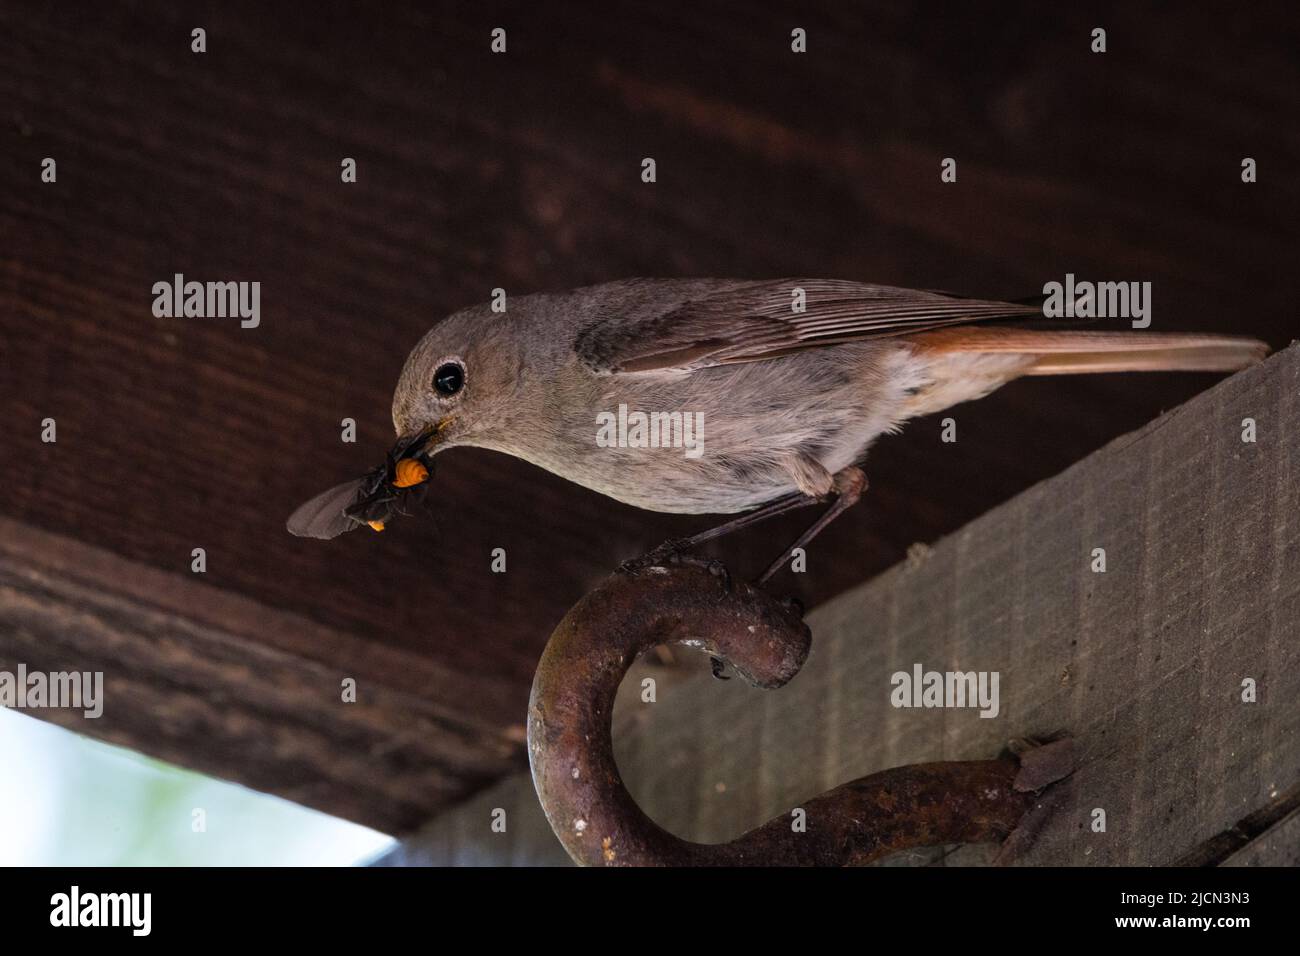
[375,497]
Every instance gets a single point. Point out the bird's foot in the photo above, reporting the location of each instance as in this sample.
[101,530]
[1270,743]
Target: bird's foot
[670,552]
[676,551]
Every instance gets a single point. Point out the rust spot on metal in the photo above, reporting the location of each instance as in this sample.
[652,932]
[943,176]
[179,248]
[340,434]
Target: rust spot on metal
[765,641]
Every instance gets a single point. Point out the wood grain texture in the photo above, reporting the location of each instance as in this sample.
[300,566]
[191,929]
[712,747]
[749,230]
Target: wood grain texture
[219,683]
[1277,846]
[522,171]
[1143,664]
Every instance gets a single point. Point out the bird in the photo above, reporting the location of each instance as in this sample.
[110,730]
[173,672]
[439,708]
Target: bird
[782,385]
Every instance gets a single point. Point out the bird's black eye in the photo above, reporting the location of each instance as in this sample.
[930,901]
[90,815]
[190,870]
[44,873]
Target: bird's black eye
[449,378]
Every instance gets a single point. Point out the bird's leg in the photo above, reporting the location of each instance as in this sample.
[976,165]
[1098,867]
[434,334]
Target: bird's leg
[849,485]
[676,546]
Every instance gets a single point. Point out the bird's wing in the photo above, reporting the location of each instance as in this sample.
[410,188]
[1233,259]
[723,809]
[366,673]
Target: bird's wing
[757,320]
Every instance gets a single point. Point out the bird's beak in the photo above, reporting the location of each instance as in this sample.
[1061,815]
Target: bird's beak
[417,444]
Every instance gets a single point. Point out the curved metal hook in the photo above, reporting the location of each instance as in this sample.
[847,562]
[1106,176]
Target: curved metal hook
[570,743]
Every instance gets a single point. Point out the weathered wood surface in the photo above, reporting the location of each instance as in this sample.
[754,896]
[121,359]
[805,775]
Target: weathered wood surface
[1277,846]
[1143,664]
[219,683]
[522,171]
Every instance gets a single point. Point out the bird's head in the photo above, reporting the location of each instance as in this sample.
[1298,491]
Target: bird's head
[458,387]
[460,382]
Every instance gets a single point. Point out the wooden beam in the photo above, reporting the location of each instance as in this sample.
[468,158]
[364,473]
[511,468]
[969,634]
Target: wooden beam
[522,172]
[1277,846]
[1144,664]
[219,683]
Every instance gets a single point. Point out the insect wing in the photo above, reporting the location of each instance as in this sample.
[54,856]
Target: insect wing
[374,507]
[324,516]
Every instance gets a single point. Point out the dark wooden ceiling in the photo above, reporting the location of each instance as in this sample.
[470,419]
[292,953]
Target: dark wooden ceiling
[521,171]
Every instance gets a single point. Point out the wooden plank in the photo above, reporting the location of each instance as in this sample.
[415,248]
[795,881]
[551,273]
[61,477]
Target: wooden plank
[219,683]
[1277,846]
[521,171]
[1143,664]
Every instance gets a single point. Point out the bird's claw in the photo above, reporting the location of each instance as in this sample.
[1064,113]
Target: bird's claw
[670,552]
[676,551]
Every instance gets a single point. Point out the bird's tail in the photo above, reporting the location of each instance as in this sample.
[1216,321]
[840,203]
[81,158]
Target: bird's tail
[1067,353]
[969,362]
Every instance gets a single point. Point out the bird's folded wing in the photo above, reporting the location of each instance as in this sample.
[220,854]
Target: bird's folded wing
[761,320]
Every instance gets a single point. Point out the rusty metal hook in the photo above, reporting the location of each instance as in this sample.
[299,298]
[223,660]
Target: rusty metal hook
[570,743]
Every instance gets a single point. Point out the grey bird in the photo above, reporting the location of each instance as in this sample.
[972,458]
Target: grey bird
[789,382]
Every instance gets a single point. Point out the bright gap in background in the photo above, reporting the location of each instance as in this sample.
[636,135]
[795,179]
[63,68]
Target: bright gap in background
[67,800]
